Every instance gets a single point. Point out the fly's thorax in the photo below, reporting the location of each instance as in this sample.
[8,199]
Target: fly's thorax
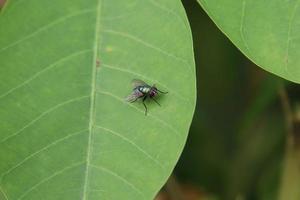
[144,89]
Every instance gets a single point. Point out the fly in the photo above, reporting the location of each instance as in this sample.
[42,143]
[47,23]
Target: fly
[143,90]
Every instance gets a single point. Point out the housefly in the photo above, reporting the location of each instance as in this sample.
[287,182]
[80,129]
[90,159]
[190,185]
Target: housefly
[142,90]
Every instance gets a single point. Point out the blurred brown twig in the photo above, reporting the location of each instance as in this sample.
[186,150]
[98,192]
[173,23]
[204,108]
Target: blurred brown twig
[2,2]
[290,180]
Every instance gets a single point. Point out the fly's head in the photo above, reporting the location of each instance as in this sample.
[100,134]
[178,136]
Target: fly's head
[153,91]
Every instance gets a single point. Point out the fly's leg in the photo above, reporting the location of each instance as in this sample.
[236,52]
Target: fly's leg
[162,92]
[156,102]
[145,104]
[134,100]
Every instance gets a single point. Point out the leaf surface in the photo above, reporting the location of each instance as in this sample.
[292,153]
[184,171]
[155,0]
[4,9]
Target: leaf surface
[66,66]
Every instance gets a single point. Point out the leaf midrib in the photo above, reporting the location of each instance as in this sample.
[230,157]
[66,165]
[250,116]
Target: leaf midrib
[93,99]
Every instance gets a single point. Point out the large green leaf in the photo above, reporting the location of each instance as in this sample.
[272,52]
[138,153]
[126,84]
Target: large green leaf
[267,32]
[65,130]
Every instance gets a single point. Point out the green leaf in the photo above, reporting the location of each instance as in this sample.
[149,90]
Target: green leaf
[267,32]
[66,66]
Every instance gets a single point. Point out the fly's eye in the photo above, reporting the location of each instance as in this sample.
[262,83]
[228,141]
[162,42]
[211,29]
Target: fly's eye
[153,93]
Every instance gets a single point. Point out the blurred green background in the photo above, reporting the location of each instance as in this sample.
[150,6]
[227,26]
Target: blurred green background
[236,147]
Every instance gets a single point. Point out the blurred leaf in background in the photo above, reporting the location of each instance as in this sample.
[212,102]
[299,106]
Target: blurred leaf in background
[267,32]
[236,142]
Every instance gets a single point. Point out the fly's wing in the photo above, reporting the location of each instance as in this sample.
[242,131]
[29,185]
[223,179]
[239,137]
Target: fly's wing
[138,82]
[134,96]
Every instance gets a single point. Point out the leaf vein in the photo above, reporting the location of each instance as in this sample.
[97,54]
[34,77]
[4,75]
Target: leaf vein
[93,98]
[46,27]
[242,26]
[133,144]
[156,4]
[136,39]
[289,35]
[42,115]
[120,178]
[50,66]
[41,150]
[4,194]
[49,178]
